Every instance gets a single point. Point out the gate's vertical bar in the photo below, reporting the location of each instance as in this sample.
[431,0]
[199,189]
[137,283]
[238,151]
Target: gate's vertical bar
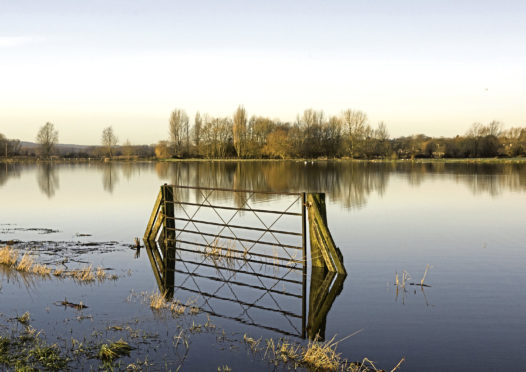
[304,246]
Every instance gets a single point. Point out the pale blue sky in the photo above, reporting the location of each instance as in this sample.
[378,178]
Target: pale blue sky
[429,67]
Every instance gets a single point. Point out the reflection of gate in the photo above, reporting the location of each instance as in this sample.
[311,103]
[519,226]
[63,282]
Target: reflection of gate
[243,254]
[258,295]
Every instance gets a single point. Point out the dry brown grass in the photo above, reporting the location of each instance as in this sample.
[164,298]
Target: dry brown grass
[223,253]
[177,308]
[84,274]
[316,356]
[100,274]
[322,355]
[41,270]
[25,263]
[8,256]
[9,259]
[158,301]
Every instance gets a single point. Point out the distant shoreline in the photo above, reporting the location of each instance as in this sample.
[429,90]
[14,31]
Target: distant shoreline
[514,160]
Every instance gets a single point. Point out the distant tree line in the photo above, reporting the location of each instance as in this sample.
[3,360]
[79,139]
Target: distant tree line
[311,135]
[315,135]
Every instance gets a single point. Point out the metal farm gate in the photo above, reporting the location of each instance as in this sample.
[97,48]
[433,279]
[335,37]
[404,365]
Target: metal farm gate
[242,252]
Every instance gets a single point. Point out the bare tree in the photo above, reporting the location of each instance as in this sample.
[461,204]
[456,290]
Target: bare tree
[47,138]
[357,129]
[109,140]
[240,131]
[381,133]
[196,132]
[178,129]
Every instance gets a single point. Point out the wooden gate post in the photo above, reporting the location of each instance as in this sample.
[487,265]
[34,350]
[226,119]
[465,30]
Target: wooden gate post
[315,246]
[168,247]
[323,250]
[168,214]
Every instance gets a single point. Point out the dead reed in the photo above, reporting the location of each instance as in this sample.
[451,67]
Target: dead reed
[9,258]
[224,253]
[158,301]
[316,356]
[25,263]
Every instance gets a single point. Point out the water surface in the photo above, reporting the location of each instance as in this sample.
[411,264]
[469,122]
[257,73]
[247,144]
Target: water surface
[465,220]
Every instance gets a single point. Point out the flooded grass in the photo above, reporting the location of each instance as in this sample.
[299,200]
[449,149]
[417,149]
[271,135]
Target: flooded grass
[9,258]
[114,350]
[26,351]
[158,301]
[315,356]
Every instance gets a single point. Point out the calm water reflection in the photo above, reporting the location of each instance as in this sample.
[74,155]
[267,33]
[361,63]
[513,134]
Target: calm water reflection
[466,220]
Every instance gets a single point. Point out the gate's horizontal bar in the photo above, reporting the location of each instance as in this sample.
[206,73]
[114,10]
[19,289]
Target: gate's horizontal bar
[216,279]
[247,259]
[232,190]
[234,208]
[239,227]
[235,239]
[179,259]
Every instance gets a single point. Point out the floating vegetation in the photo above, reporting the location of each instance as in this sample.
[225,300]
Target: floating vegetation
[66,303]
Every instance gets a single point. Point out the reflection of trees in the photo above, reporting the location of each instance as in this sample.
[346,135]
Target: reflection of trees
[47,179]
[128,170]
[349,183]
[7,171]
[110,177]
[493,179]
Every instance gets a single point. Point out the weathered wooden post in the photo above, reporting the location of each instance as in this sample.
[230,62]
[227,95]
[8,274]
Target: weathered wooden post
[323,250]
[168,213]
[168,246]
[155,222]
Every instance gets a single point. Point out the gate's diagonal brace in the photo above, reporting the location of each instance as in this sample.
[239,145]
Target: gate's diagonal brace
[153,228]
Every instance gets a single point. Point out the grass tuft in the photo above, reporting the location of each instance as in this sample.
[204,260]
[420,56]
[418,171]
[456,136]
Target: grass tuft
[84,274]
[114,350]
[24,318]
[25,263]
[8,256]
[158,300]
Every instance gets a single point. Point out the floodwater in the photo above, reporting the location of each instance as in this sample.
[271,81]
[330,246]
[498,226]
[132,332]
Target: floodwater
[467,221]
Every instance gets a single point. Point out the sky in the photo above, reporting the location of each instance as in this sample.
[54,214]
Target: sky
[423,66]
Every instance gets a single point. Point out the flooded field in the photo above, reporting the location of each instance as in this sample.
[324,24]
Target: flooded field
[98,301]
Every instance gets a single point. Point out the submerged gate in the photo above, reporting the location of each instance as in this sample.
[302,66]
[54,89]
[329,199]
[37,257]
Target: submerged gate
[246,250]
[242,230]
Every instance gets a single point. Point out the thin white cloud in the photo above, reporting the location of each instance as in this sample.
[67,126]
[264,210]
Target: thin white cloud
[14,41]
